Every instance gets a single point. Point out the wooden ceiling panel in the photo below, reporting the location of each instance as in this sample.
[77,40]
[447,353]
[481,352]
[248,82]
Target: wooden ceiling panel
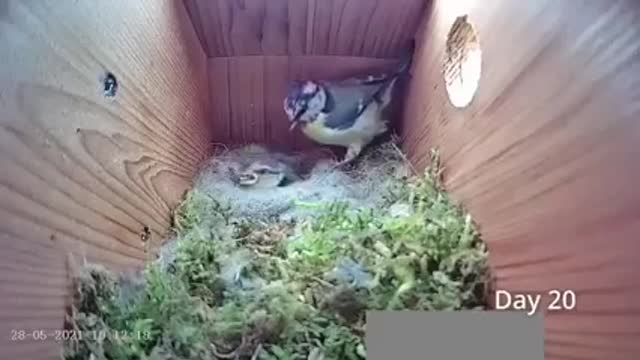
[362,28]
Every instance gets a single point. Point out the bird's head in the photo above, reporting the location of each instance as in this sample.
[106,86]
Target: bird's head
[304,102]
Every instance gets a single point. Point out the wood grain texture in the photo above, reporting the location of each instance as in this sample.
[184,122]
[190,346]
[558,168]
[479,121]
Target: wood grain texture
[247,94]
[546,156]
[363,28]
[83,173]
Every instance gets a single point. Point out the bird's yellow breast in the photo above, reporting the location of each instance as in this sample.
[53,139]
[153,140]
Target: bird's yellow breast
[363,130]
[319,132]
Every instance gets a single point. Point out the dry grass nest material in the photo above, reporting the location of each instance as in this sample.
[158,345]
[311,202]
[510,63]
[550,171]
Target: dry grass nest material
[318,181]
[271,288]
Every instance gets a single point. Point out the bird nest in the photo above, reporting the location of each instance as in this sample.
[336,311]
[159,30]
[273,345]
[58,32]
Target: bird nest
[271,282]
[281,184]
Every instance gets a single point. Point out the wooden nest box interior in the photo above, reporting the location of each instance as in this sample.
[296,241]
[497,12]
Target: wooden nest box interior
[107,108]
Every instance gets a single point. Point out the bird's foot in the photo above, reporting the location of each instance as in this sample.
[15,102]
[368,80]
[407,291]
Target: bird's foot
[341,165]
[345,164]
[352,153]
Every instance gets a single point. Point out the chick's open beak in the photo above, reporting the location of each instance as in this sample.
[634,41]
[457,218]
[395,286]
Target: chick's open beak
[247,179]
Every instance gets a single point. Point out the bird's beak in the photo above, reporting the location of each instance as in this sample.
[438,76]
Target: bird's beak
[296,119]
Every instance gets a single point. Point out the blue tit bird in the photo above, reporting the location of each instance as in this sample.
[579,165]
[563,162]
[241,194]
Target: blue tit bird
[347,113]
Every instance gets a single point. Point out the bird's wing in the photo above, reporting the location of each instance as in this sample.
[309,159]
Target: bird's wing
[364,80]
[347,99]
[345,103]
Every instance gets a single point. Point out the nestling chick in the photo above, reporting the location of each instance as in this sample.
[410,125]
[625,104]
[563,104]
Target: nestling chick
[267,174]
[257,167]
[347,113]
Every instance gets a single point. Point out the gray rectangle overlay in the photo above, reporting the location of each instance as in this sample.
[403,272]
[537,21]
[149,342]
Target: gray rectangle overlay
[459,335]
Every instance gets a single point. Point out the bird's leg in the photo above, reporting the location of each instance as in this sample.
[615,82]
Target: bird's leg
[352,153]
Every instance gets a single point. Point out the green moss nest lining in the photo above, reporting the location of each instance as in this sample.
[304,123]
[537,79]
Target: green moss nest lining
[285,290]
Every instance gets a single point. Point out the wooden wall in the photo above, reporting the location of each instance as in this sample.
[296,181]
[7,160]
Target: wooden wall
[257,46]
[81,172]
[546,156]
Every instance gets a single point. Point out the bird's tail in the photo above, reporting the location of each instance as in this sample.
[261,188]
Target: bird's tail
[403,67]
[406,60]
[387,83]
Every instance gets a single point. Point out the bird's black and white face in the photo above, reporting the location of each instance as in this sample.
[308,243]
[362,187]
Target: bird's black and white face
[304,102]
